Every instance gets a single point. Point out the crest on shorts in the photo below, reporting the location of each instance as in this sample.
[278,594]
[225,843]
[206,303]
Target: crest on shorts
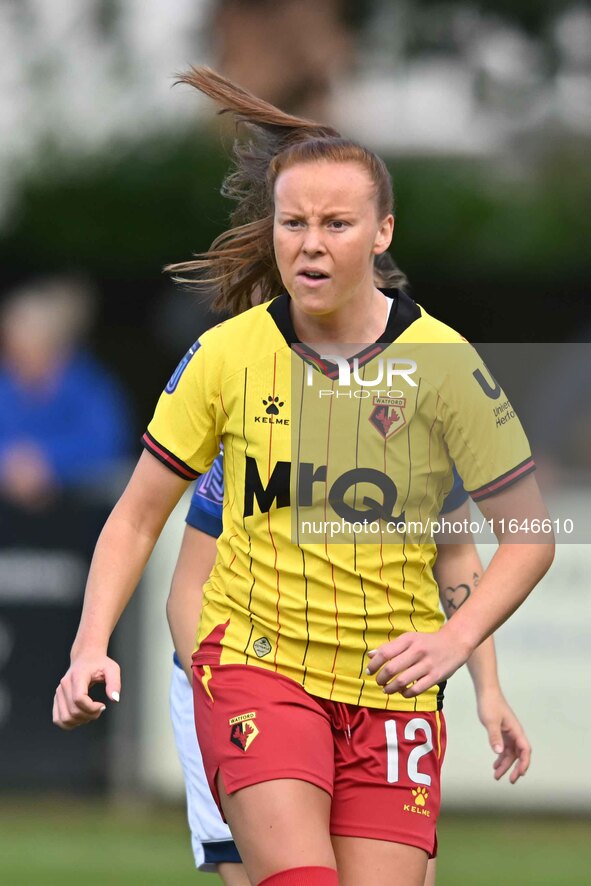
[388,415]
[243,730]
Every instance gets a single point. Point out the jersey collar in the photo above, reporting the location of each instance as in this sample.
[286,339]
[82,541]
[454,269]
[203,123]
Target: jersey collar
[403,313]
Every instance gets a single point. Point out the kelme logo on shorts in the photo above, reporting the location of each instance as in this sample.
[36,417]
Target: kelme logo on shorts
[262,647]
[243,730]
[420,797]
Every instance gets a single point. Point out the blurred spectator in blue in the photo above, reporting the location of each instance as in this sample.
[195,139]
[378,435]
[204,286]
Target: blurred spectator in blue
[63,419]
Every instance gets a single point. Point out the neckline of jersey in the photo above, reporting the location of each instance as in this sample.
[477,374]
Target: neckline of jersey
[403,313]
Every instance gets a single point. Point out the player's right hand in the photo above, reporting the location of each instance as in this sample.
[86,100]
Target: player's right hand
[72,704]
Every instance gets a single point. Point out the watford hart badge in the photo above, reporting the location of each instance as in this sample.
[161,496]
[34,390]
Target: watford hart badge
[388,415]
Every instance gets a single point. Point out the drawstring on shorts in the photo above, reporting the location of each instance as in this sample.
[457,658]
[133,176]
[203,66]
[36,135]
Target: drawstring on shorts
[344,722]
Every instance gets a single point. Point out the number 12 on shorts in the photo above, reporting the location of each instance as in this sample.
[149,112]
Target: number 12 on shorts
[410,730]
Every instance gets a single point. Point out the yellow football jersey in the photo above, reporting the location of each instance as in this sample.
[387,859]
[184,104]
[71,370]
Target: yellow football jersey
[334,470]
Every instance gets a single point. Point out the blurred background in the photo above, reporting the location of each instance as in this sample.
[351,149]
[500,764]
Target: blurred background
[482,110]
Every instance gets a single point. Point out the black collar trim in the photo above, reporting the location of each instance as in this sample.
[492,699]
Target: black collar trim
[403,313]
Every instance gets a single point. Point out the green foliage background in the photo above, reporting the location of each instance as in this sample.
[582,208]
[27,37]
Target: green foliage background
[496,248]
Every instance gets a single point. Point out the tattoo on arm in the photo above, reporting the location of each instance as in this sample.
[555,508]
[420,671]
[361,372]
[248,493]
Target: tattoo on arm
[456,596]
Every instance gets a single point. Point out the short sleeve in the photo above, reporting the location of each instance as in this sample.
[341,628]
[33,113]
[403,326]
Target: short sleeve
[205,511]
[483,434]
[456,496]
[183,433]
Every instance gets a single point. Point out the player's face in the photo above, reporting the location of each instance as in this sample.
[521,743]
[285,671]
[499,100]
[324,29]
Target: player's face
[326,232]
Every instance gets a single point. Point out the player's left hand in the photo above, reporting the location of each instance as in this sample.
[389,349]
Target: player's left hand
[506,735]
[414,662]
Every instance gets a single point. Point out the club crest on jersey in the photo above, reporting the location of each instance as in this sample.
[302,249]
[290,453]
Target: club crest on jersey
[243,730]
[176,375]
[388,415]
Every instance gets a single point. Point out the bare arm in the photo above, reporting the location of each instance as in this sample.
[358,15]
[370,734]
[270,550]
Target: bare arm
[183,607]
[519,563]
[517,566]
[458,572]
[121,553]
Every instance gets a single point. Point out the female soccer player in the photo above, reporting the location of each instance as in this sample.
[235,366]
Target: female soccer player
[457,572]
[322,660]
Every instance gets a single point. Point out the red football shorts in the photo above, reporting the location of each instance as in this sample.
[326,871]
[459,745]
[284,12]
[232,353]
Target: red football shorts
[381,768]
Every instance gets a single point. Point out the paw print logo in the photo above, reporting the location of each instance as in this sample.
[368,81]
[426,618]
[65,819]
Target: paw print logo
[421,796]
[273,405]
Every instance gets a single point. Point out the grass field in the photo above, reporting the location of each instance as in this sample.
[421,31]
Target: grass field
[69,843]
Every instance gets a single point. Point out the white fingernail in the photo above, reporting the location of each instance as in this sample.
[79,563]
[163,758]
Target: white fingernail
[115,696]
[103,708]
